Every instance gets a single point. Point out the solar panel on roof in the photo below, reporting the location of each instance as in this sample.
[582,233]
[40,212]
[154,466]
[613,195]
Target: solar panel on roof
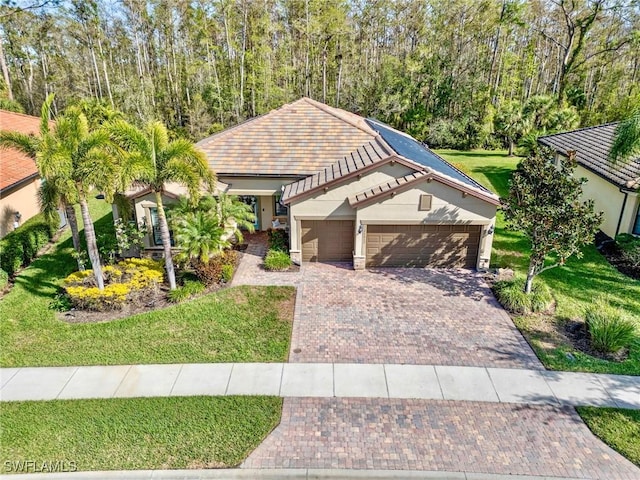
[413,150]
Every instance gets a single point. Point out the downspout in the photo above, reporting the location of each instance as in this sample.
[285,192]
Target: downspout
[624,205]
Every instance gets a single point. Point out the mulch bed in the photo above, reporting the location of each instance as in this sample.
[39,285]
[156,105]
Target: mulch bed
[575,333]
[615,257]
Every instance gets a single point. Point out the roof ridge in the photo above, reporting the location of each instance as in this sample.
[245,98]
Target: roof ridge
[332,111]
[578,130]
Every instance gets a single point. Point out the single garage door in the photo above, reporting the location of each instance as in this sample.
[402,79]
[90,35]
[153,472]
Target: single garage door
[423,245]
[327,240]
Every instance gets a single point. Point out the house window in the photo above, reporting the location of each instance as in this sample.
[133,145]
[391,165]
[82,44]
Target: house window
[279,210]
[156,234]
[636,225]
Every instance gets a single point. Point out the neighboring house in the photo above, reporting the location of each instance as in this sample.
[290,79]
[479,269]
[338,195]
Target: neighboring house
[351,189]
[19,178]
[614,189]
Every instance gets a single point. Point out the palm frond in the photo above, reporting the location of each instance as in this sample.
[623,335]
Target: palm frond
[45,114]
[27,144]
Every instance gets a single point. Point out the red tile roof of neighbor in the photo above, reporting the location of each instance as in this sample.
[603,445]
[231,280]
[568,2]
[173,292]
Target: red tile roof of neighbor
[16,167]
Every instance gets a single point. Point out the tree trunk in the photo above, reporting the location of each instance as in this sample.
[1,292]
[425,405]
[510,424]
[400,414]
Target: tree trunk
[92,246]
[531,273]
[511,147]
[166,241]
[70,211]
[5,72]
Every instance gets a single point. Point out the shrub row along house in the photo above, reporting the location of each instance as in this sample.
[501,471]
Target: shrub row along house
[348,189]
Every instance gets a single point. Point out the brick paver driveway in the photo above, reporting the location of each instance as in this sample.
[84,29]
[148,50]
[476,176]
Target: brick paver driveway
[396,315]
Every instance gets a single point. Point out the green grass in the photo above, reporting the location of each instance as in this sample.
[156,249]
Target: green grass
[140,433]
[244,324]
[574,286]
[618,428]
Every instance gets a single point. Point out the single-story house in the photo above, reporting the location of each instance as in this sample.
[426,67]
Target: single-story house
[351,189]
[614,189]
[19,178]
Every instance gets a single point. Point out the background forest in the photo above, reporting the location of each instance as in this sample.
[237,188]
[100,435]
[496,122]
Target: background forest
[460,73]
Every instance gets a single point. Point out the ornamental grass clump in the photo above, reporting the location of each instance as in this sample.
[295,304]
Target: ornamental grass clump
[129,281]
[610,328]
[511,295]
[277,261]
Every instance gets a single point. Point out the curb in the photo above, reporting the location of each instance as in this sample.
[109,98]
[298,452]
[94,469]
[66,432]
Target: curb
[276,474]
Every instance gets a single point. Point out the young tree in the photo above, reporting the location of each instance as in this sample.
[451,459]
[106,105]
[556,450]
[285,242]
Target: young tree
[544,204]
[234,215]
[511,123]
[627,140]
[152,160]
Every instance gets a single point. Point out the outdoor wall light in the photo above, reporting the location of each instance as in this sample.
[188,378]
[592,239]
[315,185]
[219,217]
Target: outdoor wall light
[360,228]
[16,219]
[490,230]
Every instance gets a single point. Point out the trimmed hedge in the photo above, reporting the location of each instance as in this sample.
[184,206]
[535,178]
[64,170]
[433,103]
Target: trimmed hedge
[20,247]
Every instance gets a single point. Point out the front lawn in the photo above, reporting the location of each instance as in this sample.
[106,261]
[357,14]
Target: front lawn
[619,428]
[140,433]
[574,286]
[244,324]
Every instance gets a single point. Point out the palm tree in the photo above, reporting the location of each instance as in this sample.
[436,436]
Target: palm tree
[199,235]
[511,122]
[76,156]
[154,161]
[235,215]
[627,138]
[54,192]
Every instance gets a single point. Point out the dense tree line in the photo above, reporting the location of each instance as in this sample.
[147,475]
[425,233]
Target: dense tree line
[451,73]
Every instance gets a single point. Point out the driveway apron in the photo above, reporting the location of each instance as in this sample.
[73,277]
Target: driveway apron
[428,317]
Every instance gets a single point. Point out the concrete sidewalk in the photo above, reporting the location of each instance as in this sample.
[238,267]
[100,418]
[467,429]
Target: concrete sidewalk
[496,385]
[277,474]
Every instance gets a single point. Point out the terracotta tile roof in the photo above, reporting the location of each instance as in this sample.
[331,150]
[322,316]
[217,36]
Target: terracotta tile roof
[15,167]
[592,146]
[297,139]
[172,189]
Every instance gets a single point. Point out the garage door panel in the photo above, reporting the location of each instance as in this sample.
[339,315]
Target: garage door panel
[423,245]
[327,240]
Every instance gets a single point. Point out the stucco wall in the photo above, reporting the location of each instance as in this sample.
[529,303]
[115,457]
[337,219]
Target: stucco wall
[255,185]
[448,206]
[24,200]
[607,198]
[141,208]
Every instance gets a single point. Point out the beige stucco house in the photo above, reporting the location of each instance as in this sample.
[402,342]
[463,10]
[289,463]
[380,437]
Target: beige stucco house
[614,189]
[350,189]
[19,178]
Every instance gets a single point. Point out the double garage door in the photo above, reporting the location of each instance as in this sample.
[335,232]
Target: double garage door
[393,245]
[423,245]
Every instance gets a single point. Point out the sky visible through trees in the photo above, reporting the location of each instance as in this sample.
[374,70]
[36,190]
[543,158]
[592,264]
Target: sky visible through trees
[438,70]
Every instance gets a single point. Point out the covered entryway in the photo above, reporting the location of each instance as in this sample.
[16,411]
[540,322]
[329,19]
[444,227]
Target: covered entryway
[423,245]
[327,240]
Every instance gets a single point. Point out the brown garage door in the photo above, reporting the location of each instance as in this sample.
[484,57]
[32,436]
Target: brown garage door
[327,240]
[422,245]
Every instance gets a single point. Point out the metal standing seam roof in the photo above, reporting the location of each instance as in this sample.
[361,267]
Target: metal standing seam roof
[364,156]
[390,186]
[592,146]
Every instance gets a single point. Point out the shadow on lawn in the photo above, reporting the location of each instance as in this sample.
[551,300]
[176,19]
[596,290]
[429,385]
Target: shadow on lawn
[42,277]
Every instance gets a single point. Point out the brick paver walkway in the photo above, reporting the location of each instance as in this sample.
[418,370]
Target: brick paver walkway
[438,435]
[250,271]
[411,316]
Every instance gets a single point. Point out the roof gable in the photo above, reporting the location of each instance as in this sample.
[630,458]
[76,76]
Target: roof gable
[16,167]
[592,146]
[297,139]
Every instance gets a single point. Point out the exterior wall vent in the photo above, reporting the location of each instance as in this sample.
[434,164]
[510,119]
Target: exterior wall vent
[425,203]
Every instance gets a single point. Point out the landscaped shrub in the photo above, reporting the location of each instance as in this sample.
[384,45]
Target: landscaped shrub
[212,272]
[277,260]
[227,273]
[20,247]
[610,328]
[511,295]
[186,291]
[278,239]
[4,278]
[128,281]
[630,248]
